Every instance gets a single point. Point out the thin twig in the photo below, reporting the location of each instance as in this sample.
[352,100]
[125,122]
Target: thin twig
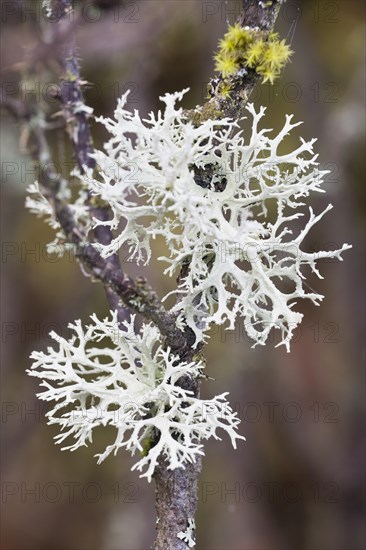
[76,116]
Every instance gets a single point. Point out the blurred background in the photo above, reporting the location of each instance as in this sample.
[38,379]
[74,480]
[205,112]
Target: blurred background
[298,482]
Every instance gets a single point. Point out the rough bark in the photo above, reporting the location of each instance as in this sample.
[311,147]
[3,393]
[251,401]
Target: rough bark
[176,503]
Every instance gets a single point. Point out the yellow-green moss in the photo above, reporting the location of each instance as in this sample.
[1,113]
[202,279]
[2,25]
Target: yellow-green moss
[227,65]
[245,48]
[225,90]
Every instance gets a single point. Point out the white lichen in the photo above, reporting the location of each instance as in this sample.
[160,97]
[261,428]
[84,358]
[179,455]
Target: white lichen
[227,206]
[38,204]
[47,6]
[106,376]
[188,536]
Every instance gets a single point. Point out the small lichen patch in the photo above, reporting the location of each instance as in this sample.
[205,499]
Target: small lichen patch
[188,536]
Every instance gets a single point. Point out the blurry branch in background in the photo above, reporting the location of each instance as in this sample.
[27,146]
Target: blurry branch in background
[75,112]
[76,116]
[135,294]
[176,491]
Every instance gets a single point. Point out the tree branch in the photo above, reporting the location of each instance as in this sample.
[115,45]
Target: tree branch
[76,116]
[176,491]
[255,15]
[75,111]
[176,503]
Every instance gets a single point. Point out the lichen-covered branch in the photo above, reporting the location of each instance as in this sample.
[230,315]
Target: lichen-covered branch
[176,491]
[229,94]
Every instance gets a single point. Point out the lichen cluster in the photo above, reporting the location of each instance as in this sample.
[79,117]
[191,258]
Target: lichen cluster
[130,385]
[206,193]
[244,48]
[228,207]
